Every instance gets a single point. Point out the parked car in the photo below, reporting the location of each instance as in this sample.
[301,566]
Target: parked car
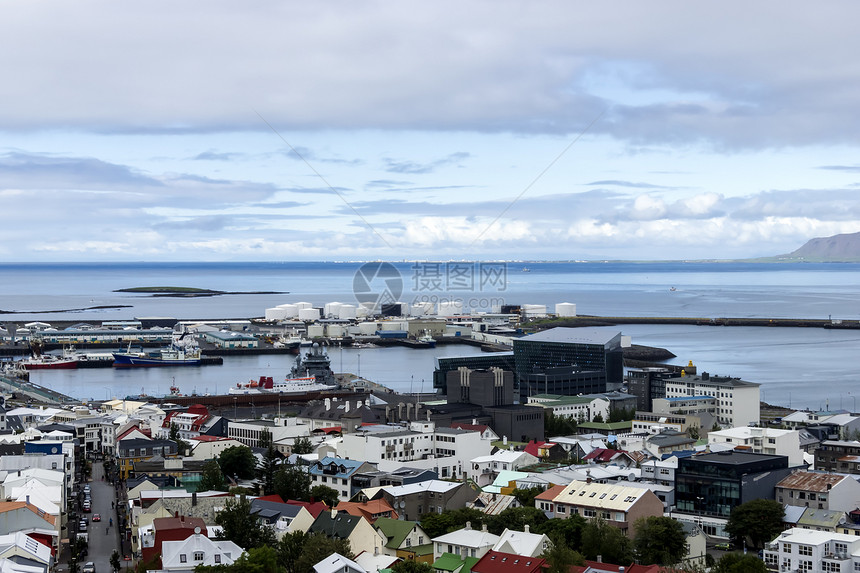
[82,525]
[97,517]
[86,489]
[723,546]
[87,507]
[89,567]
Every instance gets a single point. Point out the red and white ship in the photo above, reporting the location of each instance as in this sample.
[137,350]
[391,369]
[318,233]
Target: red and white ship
[266,385]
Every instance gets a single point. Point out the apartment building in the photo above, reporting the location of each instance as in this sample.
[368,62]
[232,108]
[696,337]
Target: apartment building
[770,441]
[737,400]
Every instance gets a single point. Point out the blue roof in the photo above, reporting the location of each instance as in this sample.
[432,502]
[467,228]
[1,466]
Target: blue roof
[342,467]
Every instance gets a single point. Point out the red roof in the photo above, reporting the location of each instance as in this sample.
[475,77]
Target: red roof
[315,508]
[603,454]
[330,430]
[534,446]
[127,432]
[496,561]
[274,497]
[551,493]
[475,427]
[598,566]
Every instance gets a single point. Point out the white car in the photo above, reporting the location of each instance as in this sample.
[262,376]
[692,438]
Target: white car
[90,567]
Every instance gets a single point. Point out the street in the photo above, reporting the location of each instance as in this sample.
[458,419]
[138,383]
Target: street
[103,538]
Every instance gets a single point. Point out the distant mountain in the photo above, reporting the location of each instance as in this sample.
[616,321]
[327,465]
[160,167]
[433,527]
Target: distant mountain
[838,248]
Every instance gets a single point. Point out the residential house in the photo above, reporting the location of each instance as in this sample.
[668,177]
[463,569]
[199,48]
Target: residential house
[524,543]
[813,551]
[738,400]
[406,539]
[465,542]
[493,503]
[184,556]
[432,496]
[169,529]
[762,441]
[370,510]
[337,474]
[819,490]
[337,563]
[21,548]
[618,505]
[486,468]
[838,456]
[138,449]
[354,528]
[27,518]
[498,562]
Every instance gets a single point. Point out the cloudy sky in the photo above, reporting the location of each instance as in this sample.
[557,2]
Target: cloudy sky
[388,130]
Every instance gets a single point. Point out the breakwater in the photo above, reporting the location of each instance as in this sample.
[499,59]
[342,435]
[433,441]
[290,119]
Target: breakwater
[590,320]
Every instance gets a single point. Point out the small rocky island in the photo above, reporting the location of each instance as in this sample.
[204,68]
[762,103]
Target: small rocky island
[188,291]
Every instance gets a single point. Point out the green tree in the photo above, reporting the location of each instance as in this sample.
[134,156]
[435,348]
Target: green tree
[560,558]
[238,461]
[212,478]
[255,560]
[526,496]
[317,547]
[114,560]
[567,532]
[324,494]
[290,548]
[739,563]
[292,482]
[558,425]
[759,520]
[242,527]
[601,538]
[659,541]
[268,467]
[436,524]
[181,445]
[597,418]
[410,566]
[302,445]
[516,518]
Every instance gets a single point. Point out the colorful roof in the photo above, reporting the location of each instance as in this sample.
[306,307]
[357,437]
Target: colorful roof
[496,561]
[395,530]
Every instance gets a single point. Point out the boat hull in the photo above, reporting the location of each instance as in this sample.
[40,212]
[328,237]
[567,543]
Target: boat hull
[136,361]
[51,365]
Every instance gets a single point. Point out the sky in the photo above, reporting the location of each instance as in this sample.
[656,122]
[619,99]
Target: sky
[553,130]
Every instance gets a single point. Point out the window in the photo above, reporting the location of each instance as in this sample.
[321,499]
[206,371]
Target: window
[183,558]
[804,549]
[217,558]
[804,565]
[828,567]
[198,556]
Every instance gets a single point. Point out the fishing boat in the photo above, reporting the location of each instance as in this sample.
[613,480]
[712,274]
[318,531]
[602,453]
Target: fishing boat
[183,351]
[49,362]
[427,338]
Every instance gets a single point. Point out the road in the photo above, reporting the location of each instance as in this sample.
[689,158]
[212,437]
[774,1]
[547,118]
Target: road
[104,538]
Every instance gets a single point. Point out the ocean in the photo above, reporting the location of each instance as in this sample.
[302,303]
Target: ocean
[800,367]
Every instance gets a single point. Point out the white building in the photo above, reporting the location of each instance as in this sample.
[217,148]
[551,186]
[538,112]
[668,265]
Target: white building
[466,542]
[737,400]
[248,431]
[583,408]
[486,468]
[420,442]
[183,556]
[762,441]
[813,552]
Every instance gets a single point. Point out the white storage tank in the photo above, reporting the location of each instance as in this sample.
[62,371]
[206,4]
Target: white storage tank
[626,341]
[334,330]
[369,307]
[533,310]
[450,307]
[275,313]
[346,312]
[309,314]
[360,312]
[301,305]
[421,309]
[291,310]
[330,309]
[565,309]
[368,328]
[316,331]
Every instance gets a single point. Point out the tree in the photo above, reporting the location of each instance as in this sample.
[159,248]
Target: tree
[601,538]
[212,478]
[317,547]
[290,548]
[302,445]
[516,518]
[256,560]
[268,467]
[659,541]
[238,461]
[436,524]
[181,445]
[560,558]
[598,418]
[114,560]
[411,567]
[526,496]
[324,494]
[759,520]
[242,527]
[739,563]
[292,482]
[567,532]
[558,425]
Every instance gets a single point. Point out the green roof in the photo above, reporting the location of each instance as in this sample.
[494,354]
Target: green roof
[425,549]
[558,399]
[453,563]
[395,530]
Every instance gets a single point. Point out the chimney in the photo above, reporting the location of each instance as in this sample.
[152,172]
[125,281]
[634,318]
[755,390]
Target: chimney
[527,528]
[327,404]
[194,499]
[474,421]
[28,499]
[468,526]
[599,559]
[346,406]
[175,514]
[505,440]
[484,527]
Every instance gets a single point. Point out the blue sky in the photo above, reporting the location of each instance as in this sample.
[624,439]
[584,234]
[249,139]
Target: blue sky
[418,130]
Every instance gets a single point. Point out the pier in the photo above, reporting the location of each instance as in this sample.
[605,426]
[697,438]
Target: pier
[590,320]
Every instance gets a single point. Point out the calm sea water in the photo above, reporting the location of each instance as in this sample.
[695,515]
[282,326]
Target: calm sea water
[804,367]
